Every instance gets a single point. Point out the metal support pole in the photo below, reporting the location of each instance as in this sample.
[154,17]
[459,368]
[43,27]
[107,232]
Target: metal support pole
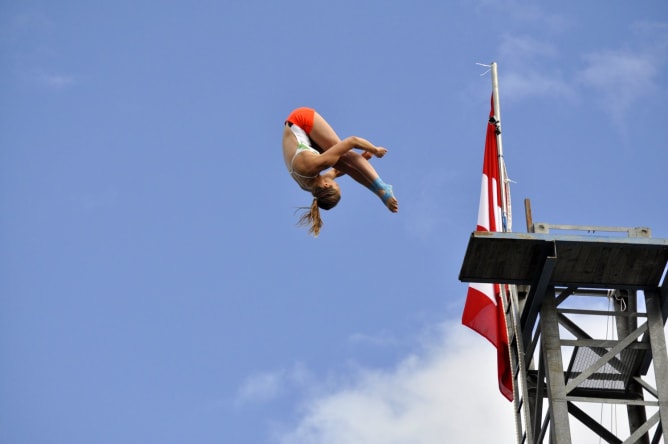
[559,422]
[657,340]
[521,399]
[628,302]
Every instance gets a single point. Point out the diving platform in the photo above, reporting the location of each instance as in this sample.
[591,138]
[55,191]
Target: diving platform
[597,261]
[561,293]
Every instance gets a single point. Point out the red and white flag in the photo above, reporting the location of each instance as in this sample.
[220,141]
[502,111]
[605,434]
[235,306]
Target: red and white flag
[483,311]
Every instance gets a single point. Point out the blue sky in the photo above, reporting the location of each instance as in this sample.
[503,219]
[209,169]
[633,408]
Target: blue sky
[153,285]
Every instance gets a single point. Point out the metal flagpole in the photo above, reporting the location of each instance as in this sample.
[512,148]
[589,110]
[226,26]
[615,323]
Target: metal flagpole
[511,303]
[499,144]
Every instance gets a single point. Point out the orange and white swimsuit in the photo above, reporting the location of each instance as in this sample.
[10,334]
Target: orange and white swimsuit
[300,122]
[303,118]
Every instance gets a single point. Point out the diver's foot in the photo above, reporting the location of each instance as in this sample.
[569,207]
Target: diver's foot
[392,204]
[387,196]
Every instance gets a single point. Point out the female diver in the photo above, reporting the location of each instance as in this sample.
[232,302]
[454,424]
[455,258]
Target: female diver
[311,146]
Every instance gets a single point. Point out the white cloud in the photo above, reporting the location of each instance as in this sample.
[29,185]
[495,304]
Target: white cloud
[520,85]
[444,392]
[382,339]
[439,394]
[266,386]
[25,24]
[528,76]
[29,35]
[522,48]
[56,81]
[655,34]
[529,14]
[620,78]
[260,387]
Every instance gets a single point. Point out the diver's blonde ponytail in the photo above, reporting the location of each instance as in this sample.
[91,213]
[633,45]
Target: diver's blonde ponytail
[311,218]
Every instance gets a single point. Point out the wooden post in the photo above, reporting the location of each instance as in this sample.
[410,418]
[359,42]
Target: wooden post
[527,214]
